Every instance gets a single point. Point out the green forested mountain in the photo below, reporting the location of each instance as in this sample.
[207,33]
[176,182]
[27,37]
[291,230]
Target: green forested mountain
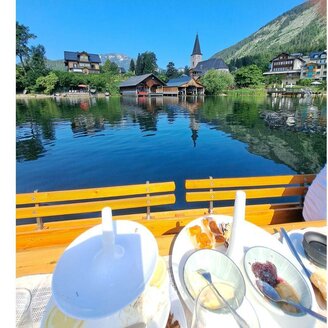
[56,65]
[300,29]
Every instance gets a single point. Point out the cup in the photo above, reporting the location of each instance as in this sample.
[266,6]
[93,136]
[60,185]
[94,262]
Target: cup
[23,308]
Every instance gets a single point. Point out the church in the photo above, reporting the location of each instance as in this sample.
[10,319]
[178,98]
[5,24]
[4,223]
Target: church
[199,67]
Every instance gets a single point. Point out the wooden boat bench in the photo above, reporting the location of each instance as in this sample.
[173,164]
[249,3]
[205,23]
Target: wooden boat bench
[39,244]
[269,199]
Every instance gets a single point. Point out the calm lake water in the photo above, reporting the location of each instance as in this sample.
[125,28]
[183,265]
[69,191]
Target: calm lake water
[84,143]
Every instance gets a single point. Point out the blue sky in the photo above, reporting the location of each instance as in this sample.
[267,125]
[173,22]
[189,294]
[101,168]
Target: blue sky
[168,28]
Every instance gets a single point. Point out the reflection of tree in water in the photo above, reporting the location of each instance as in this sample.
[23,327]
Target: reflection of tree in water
[304,153]
[239,117]
[29,146]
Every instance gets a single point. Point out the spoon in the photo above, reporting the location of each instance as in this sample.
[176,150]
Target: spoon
[268,291]
[241,322]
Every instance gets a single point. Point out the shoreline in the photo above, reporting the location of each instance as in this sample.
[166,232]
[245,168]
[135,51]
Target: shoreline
[66,95]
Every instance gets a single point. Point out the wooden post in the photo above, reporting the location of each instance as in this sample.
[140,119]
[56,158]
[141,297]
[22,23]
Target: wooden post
[210,210]
[39,221]
[148,217]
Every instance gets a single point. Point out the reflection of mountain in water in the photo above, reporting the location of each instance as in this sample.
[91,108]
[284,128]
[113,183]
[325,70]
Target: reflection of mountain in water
[300,151]
[238,117]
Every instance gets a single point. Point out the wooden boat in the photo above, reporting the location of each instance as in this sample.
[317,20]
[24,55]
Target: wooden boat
[273,201]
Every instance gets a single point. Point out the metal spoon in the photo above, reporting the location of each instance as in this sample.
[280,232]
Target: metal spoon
[268,291]
[241,322]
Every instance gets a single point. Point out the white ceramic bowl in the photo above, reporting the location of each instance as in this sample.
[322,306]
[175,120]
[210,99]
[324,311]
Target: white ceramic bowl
[222,269]
[285,270]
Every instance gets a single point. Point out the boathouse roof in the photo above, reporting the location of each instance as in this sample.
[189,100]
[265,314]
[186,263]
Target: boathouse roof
[74,56]
[212,63]
[183,79]
[135,80]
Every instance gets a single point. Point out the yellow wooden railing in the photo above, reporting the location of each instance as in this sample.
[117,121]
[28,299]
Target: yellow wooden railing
[42,241]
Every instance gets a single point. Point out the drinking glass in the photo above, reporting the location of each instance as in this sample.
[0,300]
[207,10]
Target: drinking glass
[23,308]
[209,312]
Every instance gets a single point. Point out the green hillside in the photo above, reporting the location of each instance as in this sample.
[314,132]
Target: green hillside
[56,65]
[300,29]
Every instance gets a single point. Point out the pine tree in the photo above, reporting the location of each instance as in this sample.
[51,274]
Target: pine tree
[171,71]
[139,65]
[132,66]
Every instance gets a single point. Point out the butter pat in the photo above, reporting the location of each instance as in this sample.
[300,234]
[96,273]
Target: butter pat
[196,283]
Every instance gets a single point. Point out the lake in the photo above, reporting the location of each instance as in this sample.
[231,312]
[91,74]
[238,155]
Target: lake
[71,143]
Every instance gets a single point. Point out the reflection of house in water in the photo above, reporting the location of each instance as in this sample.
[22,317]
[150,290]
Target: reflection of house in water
[87,123]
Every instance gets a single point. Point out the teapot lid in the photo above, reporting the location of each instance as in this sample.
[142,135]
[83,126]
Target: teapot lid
[104,269]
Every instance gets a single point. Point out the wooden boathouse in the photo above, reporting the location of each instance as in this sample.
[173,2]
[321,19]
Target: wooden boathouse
[141,85]
[183,85]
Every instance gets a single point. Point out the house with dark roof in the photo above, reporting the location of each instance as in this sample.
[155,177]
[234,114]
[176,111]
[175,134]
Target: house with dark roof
[183,85]
[141,85]
[199,67]
[287,67]
[82,62]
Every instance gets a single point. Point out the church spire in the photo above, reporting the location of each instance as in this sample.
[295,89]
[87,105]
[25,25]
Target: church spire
[196,50]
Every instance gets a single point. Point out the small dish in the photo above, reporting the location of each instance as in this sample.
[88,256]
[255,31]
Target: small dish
[286,276]
[315,247]
[225,274]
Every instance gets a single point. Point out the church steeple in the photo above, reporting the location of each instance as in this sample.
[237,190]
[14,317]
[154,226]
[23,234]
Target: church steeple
[196,50]
[196,55]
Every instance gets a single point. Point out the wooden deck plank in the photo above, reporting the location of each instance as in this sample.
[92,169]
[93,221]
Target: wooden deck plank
[28,261]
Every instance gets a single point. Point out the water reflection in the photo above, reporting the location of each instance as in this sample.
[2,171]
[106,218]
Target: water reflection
[301,146]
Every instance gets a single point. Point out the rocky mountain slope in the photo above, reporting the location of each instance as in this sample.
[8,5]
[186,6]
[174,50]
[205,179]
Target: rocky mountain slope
[300,29]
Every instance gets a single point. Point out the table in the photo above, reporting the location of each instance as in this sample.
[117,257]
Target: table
[40,284]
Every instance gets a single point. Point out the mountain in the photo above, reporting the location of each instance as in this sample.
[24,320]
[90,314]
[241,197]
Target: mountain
[56,65]
[120,60]
[300,29]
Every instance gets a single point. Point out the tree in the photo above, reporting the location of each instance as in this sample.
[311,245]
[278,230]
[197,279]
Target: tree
[186,70]
[114,69]
[37,60]
[150,62]
[139,65]
[47,83]
[215,81]
[106,67]
[132,66]
[22,38]
[171,71]
[110,67]
[248,76]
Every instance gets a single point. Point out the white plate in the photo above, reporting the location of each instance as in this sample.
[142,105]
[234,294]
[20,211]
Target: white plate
[157,322]
[118,320]
[296,236]
[253,236]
